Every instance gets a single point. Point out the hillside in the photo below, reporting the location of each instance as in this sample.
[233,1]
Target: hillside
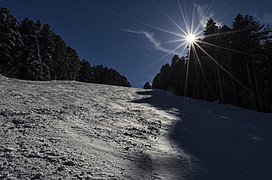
[68,129]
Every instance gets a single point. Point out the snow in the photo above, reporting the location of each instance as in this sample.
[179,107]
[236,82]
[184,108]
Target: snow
[67,129]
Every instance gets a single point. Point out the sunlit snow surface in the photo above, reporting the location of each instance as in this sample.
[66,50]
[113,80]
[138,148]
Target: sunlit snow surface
[61,129]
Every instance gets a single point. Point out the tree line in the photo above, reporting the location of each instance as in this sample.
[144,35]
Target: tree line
[32,51]
[230,64]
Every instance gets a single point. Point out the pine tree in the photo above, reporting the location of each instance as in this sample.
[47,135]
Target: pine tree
[86,72]
[60,68]
[249,34]
[176,76]
[147,86]
[46,44]
[105,75]
[212,69]
[265,74]
[160,79]
[34,68]
[11,45]
[73,63]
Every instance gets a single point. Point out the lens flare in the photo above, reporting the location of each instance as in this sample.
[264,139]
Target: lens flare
[191,38]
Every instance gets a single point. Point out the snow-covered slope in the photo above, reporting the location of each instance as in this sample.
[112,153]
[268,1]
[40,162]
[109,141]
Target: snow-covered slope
[61,129]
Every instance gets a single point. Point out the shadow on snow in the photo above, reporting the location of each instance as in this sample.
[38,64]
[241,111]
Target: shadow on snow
[230,142]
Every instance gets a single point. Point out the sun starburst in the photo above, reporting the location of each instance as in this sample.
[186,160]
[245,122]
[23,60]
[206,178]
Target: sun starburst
[191,38]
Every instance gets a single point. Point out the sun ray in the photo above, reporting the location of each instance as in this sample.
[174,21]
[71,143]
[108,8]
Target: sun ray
[186,78]
[184,36]
[184,48]
[225,33]
[157,28]
[193,18]
[199,62]
[202,70]
[148,25]
[165,14]
[173,41]
[220,47]
[225,70]
[190,35]
[186,17]
[167,54]
[207,12]
[183,17]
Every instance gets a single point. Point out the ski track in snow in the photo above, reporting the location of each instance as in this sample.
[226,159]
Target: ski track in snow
[73,130]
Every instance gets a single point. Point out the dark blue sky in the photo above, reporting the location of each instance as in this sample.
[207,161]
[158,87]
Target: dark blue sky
[124,34]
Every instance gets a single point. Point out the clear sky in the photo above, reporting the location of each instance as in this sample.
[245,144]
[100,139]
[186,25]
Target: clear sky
[131,35]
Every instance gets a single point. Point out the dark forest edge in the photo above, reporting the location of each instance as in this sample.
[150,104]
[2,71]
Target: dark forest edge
[32,51]
[242,75]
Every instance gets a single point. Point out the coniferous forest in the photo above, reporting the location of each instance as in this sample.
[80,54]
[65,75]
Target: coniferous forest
[230,64]
[32,51]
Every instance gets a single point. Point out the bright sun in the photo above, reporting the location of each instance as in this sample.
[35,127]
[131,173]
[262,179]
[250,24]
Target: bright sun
[190,38]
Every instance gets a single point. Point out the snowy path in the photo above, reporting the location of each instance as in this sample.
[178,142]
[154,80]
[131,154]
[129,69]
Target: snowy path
[59,129]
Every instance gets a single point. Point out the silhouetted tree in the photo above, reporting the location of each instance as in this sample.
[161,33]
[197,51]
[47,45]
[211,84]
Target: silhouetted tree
[104,75]
[160,79]
[85,72]
[147,86]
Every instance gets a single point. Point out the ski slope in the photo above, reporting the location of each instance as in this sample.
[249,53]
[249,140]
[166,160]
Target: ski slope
[73,130]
